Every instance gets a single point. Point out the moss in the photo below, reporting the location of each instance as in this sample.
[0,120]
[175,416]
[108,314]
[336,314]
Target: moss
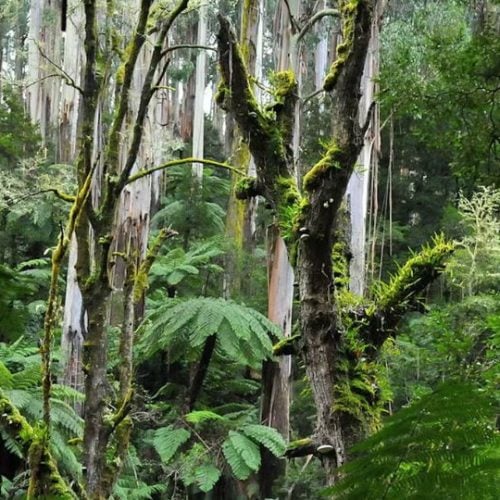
[332,158]
[348,12]
[362,389]
[246,188]
[284,84]
[418,271]
[222,94]
[290,207]
[340,266]
[287,345]
[120,74]
[299,443]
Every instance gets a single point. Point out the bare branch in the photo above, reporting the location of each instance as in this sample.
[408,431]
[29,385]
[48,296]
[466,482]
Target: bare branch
[368,119]
[314,19]
[63,196]
[293,21]
[63,74]
[146,94]
[187,46]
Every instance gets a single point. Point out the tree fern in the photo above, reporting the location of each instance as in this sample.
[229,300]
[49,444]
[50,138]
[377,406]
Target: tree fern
[20,377]
[242,333]
[177,264]
[443,446]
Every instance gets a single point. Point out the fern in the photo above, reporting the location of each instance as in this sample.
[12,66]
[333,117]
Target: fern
[238,466]
[242,333]
[168,440]
[178,264]
[207,476]
[442,446]
[20,379]
[266,436]
[198,417]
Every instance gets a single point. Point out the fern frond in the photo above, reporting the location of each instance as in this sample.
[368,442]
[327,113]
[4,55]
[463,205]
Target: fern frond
[266,436]
[206,477]
[444,443]
[235,461]
[242,333]
[167,440]
[246,448]
[201,416]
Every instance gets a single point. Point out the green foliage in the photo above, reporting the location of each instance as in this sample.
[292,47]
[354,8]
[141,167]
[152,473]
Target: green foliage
[216,441]
[243,334]
[19,138]
[242,454]
[475,266]
[454,340]
[267,437]
[194,209]
[421,267]
[177,264]
[167,440]
[441,74]
[20,375]
[442,446]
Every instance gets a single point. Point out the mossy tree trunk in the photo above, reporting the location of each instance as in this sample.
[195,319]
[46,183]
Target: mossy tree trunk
[106,430]
[308,221]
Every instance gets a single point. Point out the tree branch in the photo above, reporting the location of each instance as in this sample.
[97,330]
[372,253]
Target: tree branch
[314,19]
[182,161]
[287,345]
[187,46]
[260,129]
[62,196]
[378,321]
[146,94]
[63,74]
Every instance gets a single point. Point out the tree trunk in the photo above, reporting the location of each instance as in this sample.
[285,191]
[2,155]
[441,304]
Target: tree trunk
[357,189]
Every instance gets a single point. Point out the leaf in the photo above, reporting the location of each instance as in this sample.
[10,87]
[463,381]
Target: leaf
[167,440]
[242,333]
[206,476]
[198,417]
[236,462]
[268,437]
[246,448]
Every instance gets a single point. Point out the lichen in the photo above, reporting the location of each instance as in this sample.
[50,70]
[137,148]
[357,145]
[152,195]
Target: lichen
[348,12]
[332,158]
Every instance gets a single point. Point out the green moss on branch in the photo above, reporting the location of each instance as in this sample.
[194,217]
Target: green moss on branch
[349,11]
[332,159]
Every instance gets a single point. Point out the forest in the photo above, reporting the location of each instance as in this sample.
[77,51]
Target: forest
[249,249]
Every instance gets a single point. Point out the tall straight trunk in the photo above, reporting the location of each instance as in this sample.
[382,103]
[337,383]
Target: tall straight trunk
[358,187]
[199,95]
[275,407]
[241,214]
